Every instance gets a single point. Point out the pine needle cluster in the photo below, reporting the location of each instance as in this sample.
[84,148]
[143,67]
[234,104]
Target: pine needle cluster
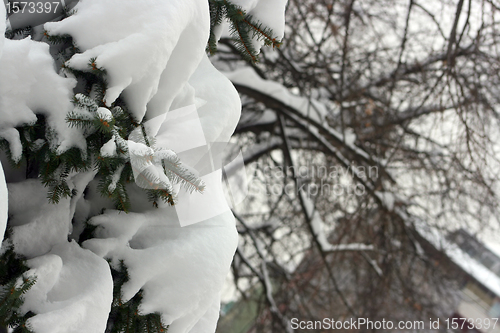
[42,160]
[244,29]
[102,127]
[13,285]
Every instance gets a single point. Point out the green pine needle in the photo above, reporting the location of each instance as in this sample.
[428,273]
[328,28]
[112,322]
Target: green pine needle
[243,28]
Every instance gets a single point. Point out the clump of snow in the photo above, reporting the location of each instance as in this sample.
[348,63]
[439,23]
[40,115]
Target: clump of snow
[104,114]
[35,87]
[73,291]
[74,287]
[221,111]
[143,47]
[180,269]
[139,149]
[13,138]
[147,167]
[37,224]
[109,148]
[3,204]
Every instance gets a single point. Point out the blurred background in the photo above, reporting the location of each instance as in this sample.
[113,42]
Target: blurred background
[370,140]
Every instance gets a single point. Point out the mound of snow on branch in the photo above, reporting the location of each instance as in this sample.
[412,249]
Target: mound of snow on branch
[28,85]
[143,46]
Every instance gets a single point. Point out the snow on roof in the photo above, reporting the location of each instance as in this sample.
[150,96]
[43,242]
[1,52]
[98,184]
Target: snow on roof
[475,269]
[493,247]
[471,266]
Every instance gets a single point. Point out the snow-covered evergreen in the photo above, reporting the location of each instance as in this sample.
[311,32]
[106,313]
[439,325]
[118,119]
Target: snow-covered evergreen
[91,261]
